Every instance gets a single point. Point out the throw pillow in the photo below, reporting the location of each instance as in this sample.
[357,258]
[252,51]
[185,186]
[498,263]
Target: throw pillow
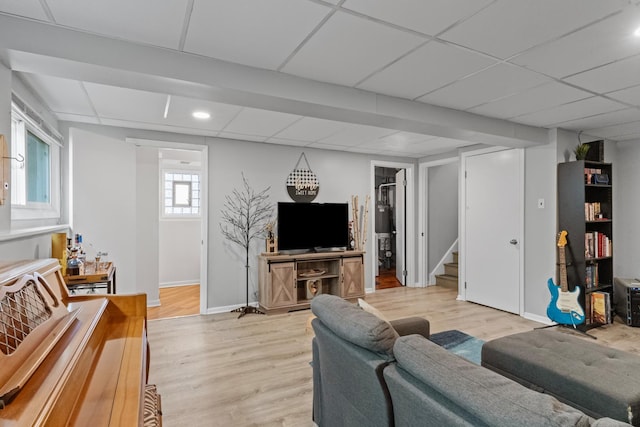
[371,309]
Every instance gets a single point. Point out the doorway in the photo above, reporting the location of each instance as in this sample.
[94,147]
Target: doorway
[179,225]
[389,227]
[405,267]
[175,249]
[493,224]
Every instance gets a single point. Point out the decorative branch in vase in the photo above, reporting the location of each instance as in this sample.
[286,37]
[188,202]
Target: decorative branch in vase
[245,216]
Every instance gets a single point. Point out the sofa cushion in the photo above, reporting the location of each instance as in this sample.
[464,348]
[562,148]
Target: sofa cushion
[601,381]
[492,399]
[355,325]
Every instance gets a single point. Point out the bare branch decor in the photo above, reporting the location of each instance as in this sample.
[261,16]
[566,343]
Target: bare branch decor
[245,215]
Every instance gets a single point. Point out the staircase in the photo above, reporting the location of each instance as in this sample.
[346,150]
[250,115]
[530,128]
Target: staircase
[450,277]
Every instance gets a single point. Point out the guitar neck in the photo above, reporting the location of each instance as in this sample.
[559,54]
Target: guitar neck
[563,270]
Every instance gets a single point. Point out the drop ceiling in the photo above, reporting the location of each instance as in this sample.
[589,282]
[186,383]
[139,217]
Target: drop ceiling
[408,78]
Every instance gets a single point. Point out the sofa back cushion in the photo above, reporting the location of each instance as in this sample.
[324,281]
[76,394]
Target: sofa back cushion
[476,392]
[355,325]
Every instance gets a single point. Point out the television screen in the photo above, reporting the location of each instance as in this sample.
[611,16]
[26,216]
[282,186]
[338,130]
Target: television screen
[313,226]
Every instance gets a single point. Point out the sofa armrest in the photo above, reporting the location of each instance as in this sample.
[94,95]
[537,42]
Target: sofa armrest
[411,325]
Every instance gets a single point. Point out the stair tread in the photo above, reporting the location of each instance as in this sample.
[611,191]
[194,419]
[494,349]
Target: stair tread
[447,276]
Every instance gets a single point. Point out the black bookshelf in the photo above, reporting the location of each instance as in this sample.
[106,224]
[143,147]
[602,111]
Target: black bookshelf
[585,211]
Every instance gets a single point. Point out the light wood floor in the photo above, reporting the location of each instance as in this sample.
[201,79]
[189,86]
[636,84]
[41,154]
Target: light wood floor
[218,370]
[176,301]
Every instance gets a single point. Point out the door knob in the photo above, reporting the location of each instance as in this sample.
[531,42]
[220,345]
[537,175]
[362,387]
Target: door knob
[513,241]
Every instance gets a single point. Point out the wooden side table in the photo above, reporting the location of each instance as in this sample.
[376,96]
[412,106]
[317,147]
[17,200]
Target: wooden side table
[92,279]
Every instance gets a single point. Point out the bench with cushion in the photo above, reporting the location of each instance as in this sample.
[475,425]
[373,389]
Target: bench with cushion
[598,380]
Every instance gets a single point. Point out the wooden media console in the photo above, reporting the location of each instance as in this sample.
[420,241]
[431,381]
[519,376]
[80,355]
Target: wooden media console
[289,282]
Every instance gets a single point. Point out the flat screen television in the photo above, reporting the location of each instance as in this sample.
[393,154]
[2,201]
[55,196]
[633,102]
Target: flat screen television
[307,227]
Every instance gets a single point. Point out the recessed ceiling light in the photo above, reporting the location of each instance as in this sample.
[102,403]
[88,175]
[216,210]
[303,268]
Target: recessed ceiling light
[637,32]
[202,115]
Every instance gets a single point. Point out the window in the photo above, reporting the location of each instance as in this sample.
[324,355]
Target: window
[35,179]
[181,194]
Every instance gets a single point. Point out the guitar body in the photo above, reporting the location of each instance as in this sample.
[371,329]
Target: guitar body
[564,307]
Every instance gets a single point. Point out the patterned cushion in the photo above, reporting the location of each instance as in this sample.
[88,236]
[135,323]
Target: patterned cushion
[152,407]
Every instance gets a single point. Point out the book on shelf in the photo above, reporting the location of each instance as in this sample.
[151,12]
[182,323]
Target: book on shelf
[591,276]
[589,175]
[593,212]
[597,245]
[601,307]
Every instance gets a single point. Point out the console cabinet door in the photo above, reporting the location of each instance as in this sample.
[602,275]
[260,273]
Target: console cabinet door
[352,277]
[283,284]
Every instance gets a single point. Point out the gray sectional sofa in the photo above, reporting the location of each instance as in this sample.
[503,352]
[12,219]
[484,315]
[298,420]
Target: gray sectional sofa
[369,372]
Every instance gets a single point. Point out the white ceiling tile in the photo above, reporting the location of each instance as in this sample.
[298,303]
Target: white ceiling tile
[538,98]
[356,134]
[564,113]
[27,8]
[251,121]
[507,27]
[425,16]
[126,104]
[156,22]
[123,123]
[630,95]
[243,137]
[181,110]
[438,144]
[283,141]
[618,132]
[328,146]
[493,83]
[426,69]
[603,120]
[311,129]
[60,95]
[347,49]
[611,77]
[251,32]
[604,42]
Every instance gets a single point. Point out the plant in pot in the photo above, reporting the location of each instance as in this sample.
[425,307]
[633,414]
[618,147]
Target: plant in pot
[581,151]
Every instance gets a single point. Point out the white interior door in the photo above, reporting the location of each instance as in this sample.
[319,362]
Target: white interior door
[492,228]
[400,209]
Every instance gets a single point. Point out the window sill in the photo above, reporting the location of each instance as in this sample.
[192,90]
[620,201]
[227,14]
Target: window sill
[32,232]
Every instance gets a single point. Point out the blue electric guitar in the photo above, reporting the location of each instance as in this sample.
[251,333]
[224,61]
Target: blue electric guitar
[564,307]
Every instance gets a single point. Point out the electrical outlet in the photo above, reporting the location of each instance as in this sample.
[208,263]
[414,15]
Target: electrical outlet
[540,203]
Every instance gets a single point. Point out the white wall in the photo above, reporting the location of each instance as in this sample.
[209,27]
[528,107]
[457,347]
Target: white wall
[104,200]
[179,251]
[442,211]
[626,203]
[147,235]
[539,228]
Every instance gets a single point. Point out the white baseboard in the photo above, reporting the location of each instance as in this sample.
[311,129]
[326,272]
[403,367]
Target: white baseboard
[537,318]
[153,303]
[227,308]
[180,283]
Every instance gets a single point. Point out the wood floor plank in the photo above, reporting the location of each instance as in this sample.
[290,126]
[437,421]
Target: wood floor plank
[218,370]
[176,301]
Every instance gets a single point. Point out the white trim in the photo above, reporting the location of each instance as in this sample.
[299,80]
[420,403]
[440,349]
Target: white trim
[228,308]
[423,216]
[204,204]
[537,318]
[462,221]
[179,283]
[32,232]
[409,226]
[448,255]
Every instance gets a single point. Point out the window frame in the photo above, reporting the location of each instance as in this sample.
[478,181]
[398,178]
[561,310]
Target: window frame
[163,196]
[22,208]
